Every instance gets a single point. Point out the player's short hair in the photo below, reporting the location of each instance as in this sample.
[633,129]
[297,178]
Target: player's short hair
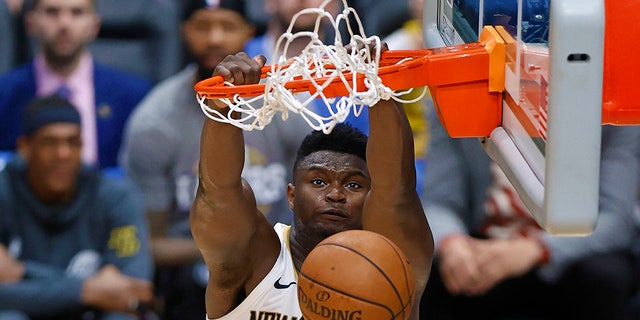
[344,138]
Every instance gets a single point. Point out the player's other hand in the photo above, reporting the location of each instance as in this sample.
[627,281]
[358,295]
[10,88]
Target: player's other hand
[241,69]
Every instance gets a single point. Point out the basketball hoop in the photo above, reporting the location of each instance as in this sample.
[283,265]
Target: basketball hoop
[345,77]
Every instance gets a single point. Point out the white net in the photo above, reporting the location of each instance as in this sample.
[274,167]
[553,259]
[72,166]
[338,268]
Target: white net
[321,64]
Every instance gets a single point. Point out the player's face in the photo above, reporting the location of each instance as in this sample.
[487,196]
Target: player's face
[329,193]
[212,34]
[64,27]
[53,157]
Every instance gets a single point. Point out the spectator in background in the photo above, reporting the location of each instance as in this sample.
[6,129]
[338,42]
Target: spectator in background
[162,147]
[103,95]
[494,262]
[73,243]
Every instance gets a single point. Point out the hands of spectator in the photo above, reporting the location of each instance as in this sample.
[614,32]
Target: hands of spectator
[11,270]
[501,259]
[110,290]
[459,268]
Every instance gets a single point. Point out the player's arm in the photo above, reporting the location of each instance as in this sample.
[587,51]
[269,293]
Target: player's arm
[393,207]
[226,224]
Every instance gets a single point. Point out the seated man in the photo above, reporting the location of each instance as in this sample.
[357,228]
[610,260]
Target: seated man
[73,244]
[103,95]
[494,262]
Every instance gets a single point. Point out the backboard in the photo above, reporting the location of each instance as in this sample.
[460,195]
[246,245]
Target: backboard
[548,142]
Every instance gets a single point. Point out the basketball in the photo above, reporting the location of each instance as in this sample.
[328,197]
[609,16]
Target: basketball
[355,275]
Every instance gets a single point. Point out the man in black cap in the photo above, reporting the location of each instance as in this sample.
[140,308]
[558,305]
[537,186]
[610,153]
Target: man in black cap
[213,29]
[73,243]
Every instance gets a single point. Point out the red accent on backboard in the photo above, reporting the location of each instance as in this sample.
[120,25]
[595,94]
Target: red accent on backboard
[620,103]
[460,91]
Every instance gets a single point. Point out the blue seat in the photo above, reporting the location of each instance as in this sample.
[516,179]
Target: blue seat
[5,157]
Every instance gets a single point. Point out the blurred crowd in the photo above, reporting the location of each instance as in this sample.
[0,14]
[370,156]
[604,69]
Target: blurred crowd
[99,142]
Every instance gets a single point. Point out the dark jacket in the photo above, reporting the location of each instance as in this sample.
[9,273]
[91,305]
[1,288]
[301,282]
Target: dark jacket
[116,95]
[64,244]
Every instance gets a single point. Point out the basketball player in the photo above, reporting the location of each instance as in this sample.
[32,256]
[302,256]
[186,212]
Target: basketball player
[253,265]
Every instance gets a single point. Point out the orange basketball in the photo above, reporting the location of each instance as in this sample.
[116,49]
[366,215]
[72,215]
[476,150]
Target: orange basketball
[354,275]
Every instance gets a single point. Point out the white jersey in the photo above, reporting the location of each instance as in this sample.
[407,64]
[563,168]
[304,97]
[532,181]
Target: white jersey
[276,296]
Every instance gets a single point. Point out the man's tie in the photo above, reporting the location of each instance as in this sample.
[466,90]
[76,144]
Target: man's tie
[64,92]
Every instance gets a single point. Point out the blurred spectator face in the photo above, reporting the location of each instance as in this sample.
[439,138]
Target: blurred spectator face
[53,158]
[212,34]
[284,10]
[64,27]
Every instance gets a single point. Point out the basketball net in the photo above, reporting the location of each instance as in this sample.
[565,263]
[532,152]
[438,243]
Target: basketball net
[321,64]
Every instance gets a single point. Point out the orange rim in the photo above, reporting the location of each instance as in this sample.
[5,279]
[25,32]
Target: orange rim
[393,74]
